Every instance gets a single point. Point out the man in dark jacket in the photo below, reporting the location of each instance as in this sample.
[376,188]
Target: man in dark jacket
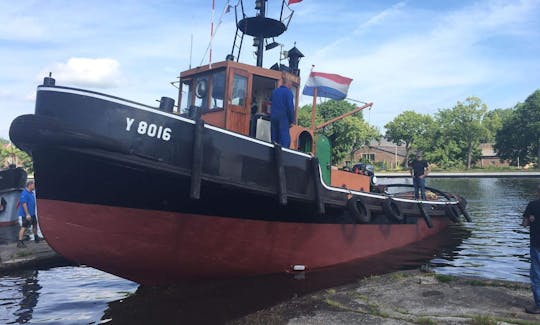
[419,170]
[531,217]
[282,114]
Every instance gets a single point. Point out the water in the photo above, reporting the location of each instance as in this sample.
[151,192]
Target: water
[498,247]
[493,246]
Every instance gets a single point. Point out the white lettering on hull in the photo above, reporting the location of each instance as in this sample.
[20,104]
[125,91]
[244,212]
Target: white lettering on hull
[150,129]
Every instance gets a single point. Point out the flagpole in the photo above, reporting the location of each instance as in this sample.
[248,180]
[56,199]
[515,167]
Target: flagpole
[313,111]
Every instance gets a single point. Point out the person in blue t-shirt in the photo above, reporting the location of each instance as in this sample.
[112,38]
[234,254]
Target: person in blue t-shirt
[27,211]
[282,113]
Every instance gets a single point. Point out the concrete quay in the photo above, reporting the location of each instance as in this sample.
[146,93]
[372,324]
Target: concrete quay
[408,297]
[35,255]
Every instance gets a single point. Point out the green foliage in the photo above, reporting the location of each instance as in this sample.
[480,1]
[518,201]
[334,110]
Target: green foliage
[444,278]
[493,121]
[347,135]
[519,137]
[9,154]
[425,321]
[463,124]
[483,320]
[407,129]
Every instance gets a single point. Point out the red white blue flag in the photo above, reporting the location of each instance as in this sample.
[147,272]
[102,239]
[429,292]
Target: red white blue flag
[328,85]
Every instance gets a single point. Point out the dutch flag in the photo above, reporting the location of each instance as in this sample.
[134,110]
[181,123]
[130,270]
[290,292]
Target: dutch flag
[328,85]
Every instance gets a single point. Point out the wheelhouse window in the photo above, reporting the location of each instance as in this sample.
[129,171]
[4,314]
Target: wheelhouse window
[218,89]
[201,91]
[205,91]
[239,90]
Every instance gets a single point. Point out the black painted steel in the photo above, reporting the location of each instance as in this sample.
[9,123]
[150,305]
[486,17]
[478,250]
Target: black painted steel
[317,185]
[94,148]
[281,178]
[196,166]
[12,179]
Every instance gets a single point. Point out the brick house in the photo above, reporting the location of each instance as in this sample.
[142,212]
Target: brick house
[390,155]
[489,158]
[383,152]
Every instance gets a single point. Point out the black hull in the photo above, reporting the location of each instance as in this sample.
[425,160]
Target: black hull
[93,148]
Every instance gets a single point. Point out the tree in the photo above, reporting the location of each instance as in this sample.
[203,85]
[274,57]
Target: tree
[9,154]
[519,137]
[493,121]
[406,129]
[347,135]
[464,124]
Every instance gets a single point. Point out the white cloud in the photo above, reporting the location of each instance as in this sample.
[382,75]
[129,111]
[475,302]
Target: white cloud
[86,72]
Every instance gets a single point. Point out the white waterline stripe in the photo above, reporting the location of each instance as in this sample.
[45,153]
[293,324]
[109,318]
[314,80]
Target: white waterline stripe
[426,202]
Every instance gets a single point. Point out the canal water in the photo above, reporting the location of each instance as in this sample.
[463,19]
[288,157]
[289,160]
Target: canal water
[493,246]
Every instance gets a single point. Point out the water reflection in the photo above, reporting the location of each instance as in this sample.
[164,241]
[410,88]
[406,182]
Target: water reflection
[215,302]
[63,295]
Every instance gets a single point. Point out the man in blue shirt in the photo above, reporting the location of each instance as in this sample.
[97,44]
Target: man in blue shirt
[282,114]
[27,211]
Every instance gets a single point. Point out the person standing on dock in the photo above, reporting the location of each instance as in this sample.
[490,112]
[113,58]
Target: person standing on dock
[282,113]
[531,217]
[419,170]
[27,211]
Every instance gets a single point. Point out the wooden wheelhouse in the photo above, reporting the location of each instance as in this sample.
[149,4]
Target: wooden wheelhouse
[236,97]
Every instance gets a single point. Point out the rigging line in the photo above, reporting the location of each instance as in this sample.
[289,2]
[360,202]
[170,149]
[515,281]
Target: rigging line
[356,100]
[225,10]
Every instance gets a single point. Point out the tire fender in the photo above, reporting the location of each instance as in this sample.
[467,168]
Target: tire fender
[452,213]
[392,210]
[425,215]
[359,211]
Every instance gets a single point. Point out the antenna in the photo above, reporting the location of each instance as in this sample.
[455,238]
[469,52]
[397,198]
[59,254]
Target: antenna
[190,50]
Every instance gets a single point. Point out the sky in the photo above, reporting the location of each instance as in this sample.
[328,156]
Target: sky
[419,55]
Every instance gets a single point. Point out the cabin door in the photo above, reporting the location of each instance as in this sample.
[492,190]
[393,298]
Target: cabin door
[238,112]
[324,153]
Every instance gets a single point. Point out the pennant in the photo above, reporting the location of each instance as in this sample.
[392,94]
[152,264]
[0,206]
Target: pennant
[328,85]
[294,1]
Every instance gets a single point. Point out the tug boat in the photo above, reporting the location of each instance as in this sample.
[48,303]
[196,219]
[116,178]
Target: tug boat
[160,195]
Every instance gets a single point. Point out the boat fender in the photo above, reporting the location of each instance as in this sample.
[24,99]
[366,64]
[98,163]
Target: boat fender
[464,212]
[452,213]
[392,210]
[3,204]
[359,211]
[425,215]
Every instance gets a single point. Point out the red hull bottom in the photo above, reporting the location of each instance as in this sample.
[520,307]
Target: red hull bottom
[157,247]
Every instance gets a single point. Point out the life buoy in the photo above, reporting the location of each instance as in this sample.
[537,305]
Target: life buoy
[452,213]
[425,215]
[392,210]
[359,211]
